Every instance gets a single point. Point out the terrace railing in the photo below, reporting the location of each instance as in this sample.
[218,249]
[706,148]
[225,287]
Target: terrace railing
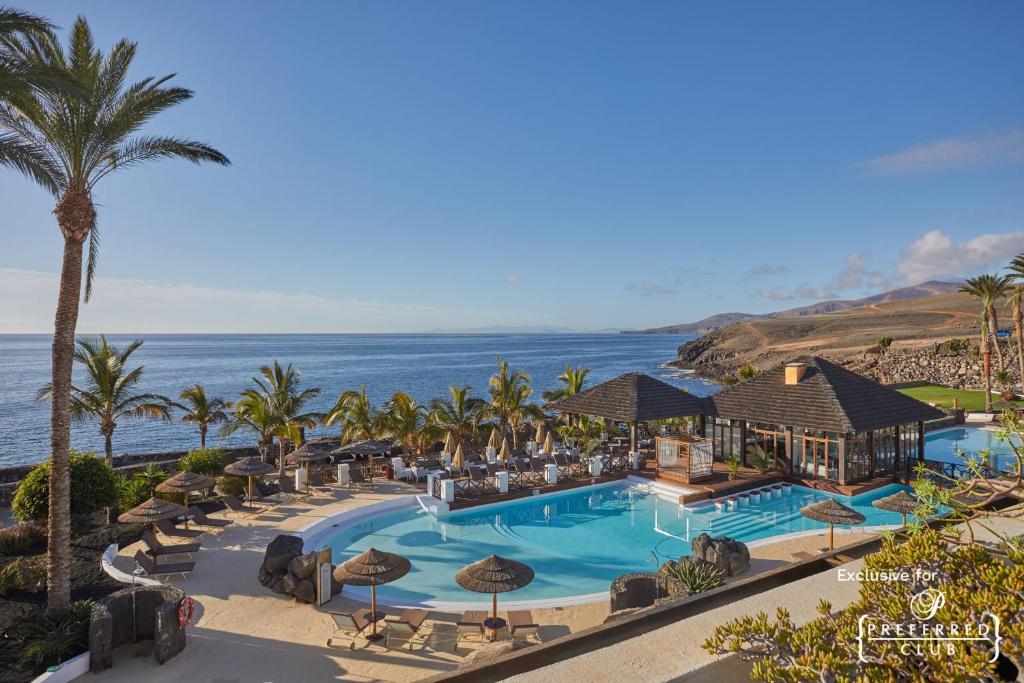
[952,470]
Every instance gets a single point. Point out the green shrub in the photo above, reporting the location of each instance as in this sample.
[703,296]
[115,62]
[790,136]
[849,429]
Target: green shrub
[51,637]
[204,461]
[132,491]
[873,350]
[955,347]
[733,463]
[748,371]
[93,488]
[762,461]
[230,485]
[883,342]
[26,574]
[21,537]
[696,575]
[729,380]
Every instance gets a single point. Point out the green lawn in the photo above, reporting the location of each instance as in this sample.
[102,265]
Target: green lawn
[970,399]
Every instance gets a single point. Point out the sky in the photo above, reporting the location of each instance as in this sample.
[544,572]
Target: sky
[415,166]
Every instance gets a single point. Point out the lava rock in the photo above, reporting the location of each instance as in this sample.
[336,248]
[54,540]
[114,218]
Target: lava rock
[731,557]
[280,552]
[303,566]
[304,591]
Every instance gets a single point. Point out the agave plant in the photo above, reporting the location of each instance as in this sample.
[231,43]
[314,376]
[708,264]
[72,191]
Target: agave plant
[696,575]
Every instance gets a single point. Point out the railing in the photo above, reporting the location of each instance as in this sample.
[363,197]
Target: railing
[944,471]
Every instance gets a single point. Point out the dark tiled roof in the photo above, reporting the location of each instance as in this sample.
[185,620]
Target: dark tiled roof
[632,397]
[829,398]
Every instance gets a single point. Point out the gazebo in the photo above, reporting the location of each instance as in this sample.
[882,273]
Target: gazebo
[632,398]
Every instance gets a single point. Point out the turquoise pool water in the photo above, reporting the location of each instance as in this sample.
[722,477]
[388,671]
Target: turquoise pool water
[946,444]
[576,541]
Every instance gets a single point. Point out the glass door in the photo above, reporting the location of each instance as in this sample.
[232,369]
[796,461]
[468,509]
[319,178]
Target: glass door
[814,457]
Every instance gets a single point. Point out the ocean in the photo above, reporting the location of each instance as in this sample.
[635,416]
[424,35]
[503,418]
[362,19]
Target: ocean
[422,364]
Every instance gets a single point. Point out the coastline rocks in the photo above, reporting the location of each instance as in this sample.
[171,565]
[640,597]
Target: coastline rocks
[286,570]
[731,557]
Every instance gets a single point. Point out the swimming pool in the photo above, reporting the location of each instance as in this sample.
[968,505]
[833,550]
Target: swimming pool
[576,541]
[944,445]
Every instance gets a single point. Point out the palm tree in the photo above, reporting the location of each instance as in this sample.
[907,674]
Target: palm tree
[254,414]
[67,139]
[573,379]
[988,289]
[280,387]
[510,400]
[109,394]
[201,410]
[356,415]
[16,76]
[1016,294]
[406,420]
[459,414]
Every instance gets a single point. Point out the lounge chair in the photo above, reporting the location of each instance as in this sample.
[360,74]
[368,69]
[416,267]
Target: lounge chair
[521,622]
[159,549]
[199,517]
[480,482]
[539,467]
[356,478]
[470,623]
[159,571]
[167,529]
[287,486]
[565,467]
[408,625]
[350,625]
[236,506]
[316,484]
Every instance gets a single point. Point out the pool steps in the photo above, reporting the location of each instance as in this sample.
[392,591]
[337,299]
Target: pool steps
[744,498]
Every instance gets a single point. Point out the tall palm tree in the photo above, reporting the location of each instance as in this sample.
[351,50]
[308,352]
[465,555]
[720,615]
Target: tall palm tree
[1015,297]
[254,414]
[67,139]
[572,380]
[280,386]
[510,400]
[16,76]
[201,410]
[356,415]
[109,394]
[459,414]
[406,420]
[988,289]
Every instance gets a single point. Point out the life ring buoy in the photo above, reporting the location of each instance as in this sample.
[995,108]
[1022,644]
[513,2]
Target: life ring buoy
[186,608]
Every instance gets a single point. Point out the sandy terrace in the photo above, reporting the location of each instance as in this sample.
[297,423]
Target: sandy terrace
[244,632]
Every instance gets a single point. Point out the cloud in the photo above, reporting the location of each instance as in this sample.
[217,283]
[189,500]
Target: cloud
[766,269]
[778,294]
[959,152]
[27,300]
[935,255]
[650,289]
[856,274]
[513,280]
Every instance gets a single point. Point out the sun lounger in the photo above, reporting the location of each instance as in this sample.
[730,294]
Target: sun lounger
[521,622]
[350,625]
[236,506]
[287,486]
[471,623]
[316,484]
[480,482]
[200,518]
[167,529]
[159,549]
[408,624]
[356,478]
[159,571]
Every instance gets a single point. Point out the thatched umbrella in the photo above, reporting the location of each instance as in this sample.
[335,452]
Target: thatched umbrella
[539,434]
[151,512]
[549,444]
[448,442]
[901,502]
[373,568]
[457,461]
[249,467]
[505,452]
[493,441]
[367,447]
[305,456]
[494,575]
[183,483]
[831,512]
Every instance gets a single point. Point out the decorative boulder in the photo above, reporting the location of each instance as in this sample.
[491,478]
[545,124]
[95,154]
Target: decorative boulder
[304,591]
[286,570]
[303,566]
[729,556]
[280,552]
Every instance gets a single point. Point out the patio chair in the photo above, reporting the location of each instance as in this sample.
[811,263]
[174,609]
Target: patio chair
[471,623]
[200,518]
[287,486]
[521,622]
[565,467]
[159,549]
[480,481]
[236,506]
[356,478]
[408,624]
[160,571]
[539,467]
[316,485]
[350,625]
[165,527]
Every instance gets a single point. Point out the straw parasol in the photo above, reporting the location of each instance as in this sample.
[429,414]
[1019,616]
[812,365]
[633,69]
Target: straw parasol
[367,447]
[505,451]
[457,460]
[549,444]
[183,483]
[831,512]
[249,467]
[151,512]
[373,568]
[448,442]
[901,502]
[493,441]
[494,575]
[539,434]
[307,454]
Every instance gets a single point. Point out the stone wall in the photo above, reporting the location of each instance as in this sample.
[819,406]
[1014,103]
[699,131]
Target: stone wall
[133,614]
[958,370]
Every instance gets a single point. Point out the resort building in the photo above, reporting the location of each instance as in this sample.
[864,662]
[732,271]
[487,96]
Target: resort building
[817,420]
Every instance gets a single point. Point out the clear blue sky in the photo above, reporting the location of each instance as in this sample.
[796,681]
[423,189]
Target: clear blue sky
[416,165]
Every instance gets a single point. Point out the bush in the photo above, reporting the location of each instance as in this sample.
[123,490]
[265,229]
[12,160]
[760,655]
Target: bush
[50,638]
[230,485]
[204,461]
[26,574]
[748,371]
[873,350]
[16,539]
[729,380]
[696,575]
[132,491]
[733,463]
[883,342]
[955,347]
[93,488]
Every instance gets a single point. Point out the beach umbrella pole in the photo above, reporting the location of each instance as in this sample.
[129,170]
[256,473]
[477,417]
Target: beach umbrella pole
[152,525]
[494,617]
[373,637]
[831,537]
[904,519]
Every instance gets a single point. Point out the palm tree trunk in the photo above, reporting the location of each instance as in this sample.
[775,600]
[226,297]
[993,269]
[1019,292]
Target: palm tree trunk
[986,368]
[993,328]
[58,553]
[1018,329]
[108,448]
[202,437]
[280,459]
